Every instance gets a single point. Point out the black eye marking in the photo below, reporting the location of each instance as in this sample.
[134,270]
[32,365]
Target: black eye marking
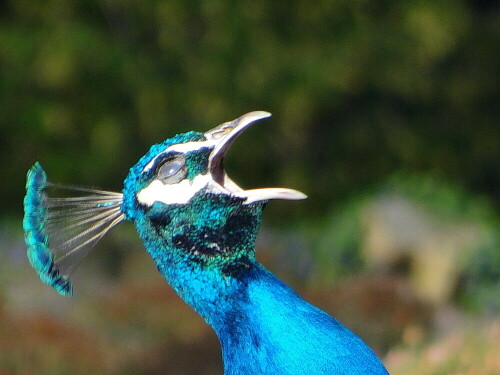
[172,170]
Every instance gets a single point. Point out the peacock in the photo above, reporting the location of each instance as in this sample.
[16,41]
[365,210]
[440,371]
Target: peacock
[200,229]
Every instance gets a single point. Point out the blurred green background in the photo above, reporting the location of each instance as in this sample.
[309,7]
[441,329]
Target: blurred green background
[384,112]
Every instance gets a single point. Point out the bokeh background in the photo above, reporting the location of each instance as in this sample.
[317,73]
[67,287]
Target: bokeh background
[384,112]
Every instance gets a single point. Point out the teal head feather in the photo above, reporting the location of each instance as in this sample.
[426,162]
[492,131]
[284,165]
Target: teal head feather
[39,254]
[59,231]
[200,228]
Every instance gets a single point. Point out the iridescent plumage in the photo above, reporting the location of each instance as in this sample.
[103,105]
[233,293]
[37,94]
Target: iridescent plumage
[59,231]
[200,229]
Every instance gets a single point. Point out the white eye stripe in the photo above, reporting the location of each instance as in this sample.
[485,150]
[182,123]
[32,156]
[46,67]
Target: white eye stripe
[180,193]
[181,148]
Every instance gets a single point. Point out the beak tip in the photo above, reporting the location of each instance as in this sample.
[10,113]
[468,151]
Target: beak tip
[304,196]
[297,195]
[264,114]
[254,116]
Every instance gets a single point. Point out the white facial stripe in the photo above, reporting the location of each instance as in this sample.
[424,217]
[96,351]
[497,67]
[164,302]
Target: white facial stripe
[183,192]
[182,148]
[191,146]
[180,193]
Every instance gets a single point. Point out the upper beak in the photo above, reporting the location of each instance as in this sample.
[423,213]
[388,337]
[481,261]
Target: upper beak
[223,136]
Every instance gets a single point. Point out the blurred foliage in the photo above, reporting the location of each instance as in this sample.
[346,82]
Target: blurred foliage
[480,265]
[337,243]
[106,330]
[470,350]
[359,89]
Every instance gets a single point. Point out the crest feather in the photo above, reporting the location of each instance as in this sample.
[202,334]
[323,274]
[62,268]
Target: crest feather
[60,231]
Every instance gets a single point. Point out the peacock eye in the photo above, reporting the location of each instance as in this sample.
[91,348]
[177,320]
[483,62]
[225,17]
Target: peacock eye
[172,171]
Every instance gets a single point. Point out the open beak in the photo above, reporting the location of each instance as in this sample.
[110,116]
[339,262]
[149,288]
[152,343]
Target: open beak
[223,136]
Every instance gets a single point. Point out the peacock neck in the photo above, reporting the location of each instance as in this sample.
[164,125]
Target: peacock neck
[206,252]
[203,250]
[264,327]
[250,310]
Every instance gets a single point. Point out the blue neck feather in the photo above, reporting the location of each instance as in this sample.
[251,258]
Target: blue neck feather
[205,250]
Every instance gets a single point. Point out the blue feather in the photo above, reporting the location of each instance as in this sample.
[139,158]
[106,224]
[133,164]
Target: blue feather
[264,326]
[59,232]
[280,333]
[39,254]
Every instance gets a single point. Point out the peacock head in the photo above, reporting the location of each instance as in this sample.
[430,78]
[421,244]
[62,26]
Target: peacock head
[179,196]
[191,165]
